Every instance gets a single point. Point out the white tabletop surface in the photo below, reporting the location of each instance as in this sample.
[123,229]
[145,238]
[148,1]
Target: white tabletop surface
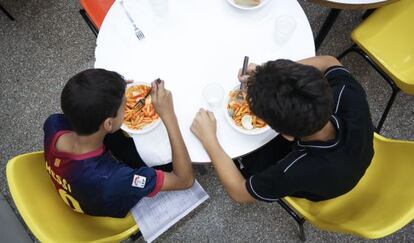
[197,42]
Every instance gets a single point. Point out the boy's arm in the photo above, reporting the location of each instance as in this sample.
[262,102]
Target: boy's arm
[182,175]
[204,127]
[321,62]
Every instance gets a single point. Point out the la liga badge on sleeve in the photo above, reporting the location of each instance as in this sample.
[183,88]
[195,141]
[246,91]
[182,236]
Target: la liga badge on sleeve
[139,181]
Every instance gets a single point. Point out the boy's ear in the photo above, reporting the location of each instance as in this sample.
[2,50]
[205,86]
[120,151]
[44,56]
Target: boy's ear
[107,125]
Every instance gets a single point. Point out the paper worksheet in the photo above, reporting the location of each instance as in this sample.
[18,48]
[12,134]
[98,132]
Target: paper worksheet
[154,215]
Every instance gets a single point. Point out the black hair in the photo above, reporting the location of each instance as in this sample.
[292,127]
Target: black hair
[90,97]
[294,99]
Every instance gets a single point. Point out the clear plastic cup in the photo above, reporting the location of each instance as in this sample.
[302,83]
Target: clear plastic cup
[159,7]
[285,25]
[213,94]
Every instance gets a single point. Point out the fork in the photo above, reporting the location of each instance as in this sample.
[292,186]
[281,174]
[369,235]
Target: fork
[239,96]
[141,103]
[140,35]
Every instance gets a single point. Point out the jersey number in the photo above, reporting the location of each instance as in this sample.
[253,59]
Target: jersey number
[70,201]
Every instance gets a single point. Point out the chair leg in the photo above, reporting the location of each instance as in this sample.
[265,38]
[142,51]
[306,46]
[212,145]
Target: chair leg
[329,21]
[376,67]
[367,13]
[347,51]
[89,22]
[394,87]
[135,236]
[387,109]
[299,220]
[6,13]
[302,235]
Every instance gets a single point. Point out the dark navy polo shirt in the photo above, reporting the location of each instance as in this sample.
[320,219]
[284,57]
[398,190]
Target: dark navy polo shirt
[323,170]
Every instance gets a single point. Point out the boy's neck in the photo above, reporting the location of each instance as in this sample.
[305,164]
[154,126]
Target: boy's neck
[328,132]
[77,144]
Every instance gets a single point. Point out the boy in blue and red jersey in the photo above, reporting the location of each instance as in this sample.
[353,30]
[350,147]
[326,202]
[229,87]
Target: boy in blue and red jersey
[96,170]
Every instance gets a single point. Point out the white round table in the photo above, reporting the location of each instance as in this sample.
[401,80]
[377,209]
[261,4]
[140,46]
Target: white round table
[195,43]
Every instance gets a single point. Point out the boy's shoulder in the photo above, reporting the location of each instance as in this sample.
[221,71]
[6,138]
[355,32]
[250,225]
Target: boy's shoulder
[55,118]
[56,122]
[54,125]
[339,76]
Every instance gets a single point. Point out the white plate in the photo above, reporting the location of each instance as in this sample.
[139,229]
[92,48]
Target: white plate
[262,2]
[147,127]
[254,131]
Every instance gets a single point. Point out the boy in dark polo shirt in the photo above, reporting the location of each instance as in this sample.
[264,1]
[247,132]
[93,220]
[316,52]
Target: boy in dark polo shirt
[326,133]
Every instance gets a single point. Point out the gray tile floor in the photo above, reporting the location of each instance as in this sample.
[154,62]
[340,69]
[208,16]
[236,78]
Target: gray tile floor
[49,43]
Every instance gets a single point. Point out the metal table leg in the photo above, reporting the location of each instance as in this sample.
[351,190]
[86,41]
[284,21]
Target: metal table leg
[6,13]
[329,21]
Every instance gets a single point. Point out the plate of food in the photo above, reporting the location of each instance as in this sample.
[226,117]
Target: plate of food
[239,116]
[248,4]
[143,120]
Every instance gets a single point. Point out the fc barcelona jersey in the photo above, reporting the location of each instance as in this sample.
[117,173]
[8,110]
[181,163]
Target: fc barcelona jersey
[95,183]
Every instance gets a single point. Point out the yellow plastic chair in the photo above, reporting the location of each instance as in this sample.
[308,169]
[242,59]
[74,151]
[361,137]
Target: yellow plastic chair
[48,217]
[380,204]
[385,40]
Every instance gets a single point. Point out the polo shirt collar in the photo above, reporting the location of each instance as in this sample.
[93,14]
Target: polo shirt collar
[330,144]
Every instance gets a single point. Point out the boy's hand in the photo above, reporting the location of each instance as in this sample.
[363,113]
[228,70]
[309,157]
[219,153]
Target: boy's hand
[251,69]
[161,99]
[204,126]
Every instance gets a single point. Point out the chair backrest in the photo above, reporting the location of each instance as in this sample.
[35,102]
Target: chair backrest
[380,204]
[97,10]
[45,213]
[384,37]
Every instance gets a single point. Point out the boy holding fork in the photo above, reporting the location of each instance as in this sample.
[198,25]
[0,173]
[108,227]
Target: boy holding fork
[95,169]
[325,140]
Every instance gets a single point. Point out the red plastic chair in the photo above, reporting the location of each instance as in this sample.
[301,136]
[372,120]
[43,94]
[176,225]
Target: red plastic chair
[94,12]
